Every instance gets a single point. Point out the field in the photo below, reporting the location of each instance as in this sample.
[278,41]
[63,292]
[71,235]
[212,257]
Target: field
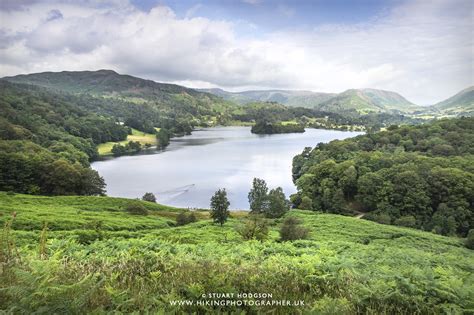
[95,257]
[142,137]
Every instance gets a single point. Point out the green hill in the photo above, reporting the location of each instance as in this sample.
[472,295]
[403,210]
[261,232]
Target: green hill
[368,100]
[362,100]
[94,257]
[152,103]
[460,104]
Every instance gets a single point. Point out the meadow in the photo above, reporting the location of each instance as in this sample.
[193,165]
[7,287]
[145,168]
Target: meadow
[142,137]
[87,254]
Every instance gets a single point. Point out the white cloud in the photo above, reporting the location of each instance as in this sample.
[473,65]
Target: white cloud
[422,50]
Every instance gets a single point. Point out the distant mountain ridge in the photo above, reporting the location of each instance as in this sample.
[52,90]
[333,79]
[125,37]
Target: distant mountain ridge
[361,100]
[100,82]
[285,97]
[109,83]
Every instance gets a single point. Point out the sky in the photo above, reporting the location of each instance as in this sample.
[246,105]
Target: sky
[422,49]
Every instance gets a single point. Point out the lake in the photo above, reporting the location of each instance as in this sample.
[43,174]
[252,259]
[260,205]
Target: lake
[192,168]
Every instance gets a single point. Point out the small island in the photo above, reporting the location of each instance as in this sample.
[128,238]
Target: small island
[266,127]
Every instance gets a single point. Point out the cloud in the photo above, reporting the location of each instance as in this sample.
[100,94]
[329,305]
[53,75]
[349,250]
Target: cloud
[421,49]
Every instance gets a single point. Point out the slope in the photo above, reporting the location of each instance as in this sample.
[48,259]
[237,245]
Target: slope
[95,257]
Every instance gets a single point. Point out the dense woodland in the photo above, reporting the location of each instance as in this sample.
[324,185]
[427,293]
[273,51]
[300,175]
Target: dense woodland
[415,176]
[265,127]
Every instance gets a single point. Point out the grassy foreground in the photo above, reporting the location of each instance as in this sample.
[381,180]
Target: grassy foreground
[95,257]
[142,137]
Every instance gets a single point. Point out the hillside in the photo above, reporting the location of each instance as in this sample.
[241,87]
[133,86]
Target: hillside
[285,97]
[362,100]
[460,104]
[368,100]
[153,103]
[103,82]
[94,257]
[418,176]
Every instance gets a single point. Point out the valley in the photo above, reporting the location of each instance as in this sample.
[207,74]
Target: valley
[369,210]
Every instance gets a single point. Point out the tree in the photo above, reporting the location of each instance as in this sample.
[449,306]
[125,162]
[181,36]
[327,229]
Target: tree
[163,137]
[277,204]
[219,207]
[291,230]
[258,196]
[149,197]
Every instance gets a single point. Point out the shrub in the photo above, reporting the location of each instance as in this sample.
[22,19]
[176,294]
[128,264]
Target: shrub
[470,239]
[306,203]
[136,208]
[291,229]
[254,228]
[185,217]
[149,197]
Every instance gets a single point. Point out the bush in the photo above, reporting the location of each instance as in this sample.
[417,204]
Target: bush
[254,228]
[136,208]
[470,239]
[185,217]
[149,197]
[306,203]
[291,230]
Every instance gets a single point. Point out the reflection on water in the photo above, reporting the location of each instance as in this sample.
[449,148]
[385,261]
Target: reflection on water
[192,168]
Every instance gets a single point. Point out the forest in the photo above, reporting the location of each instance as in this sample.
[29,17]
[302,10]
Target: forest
[414,176]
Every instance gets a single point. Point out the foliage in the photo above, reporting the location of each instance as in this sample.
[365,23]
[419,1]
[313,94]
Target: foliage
[258,196]
[136,208]
[149,197]
[255,227]
[264,127]
[419,176]
[277,204]
[292,230]
[163,136]
[185,217]
[130,147]
[219,207]
[345,266]
[272,204]
[28,168]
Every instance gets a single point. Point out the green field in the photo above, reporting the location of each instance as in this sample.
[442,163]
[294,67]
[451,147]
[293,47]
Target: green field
[95,257]
[142,137]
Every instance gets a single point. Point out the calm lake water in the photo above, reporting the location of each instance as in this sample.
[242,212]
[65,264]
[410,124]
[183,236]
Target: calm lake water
[192,168]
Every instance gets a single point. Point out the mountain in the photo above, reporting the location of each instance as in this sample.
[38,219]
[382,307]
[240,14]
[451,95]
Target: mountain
[460,104]
[360,100]
[101,82]
[144,104]
[285,97]
[369,100]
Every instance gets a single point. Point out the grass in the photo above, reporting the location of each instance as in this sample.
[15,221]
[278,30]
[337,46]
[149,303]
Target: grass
[142,137]
[134,263]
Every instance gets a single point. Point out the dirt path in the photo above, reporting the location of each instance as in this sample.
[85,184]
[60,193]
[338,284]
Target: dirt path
[359,216]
